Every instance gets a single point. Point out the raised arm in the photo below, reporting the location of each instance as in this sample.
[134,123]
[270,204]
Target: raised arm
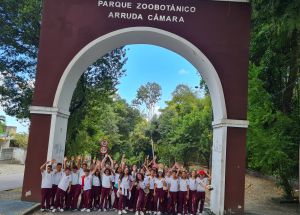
[42,168]
[103,162]
[65,163]
[111,162]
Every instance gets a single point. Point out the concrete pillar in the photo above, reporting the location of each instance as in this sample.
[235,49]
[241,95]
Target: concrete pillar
[46,141]
[228,166]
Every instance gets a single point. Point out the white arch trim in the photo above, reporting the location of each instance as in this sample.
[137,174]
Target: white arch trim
[140,35]
[144,35]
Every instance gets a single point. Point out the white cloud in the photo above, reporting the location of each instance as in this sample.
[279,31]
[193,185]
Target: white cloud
[183,72]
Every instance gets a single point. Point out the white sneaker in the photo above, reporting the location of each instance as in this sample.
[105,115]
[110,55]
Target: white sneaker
[158,213]
[88,210]
[99,210]
[104,210]
[126,208]
[53,211]
[83,209]
[179,213]
[119,212]
[52,207]
[136,213]
[153,212]
[74,210]
[124,212]
[141,213]
[42,210]
[61,210]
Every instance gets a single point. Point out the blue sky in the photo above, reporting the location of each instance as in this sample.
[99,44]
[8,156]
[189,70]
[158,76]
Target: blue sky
[146,63]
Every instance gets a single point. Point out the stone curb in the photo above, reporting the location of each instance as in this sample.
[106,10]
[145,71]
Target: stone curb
[31,209]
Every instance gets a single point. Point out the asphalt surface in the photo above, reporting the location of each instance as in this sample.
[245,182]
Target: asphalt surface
[12,181]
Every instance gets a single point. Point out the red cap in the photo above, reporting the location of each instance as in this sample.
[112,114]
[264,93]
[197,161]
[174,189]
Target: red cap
[202,172]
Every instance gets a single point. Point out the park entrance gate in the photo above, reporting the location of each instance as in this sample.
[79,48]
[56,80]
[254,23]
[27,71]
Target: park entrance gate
[212,35]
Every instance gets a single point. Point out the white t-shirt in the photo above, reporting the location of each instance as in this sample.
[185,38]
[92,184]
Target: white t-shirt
[173,183]
[126,181]
[117,176]
[88,182]
[57,177]
[64,182]
[193,184]
[133,176]
[183,184]
[201,184]
[151,181]
[75,178]
[81,173]
[159,183]
[142,185]
[47,179]
[106,181]
[112,178]
[96,181]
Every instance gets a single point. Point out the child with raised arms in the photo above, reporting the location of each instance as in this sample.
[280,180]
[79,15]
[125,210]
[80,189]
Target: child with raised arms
[46,185]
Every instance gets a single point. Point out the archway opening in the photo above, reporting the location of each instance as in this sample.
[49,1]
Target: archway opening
[144,35]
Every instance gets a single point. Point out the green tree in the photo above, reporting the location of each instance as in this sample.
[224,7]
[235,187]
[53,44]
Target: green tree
[20,140]
[19,40]
[148,95]
[274,101]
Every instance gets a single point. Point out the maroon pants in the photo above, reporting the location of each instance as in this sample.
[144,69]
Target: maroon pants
[165,202]
[200,198]
[53,193]
[105,194]
[150,201]
[182,202]
[96,192]
[159,200]
[123,200]
[192,202]
[116,202]
[73,196]
[46,196]
[87,199]
[136,197]
[142,199]
[59,198]
[172,202]
[131,203]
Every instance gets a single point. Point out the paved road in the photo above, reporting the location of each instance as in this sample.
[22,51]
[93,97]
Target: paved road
[12,181]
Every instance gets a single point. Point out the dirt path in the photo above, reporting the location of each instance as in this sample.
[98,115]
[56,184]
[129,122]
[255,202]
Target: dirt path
[261,197]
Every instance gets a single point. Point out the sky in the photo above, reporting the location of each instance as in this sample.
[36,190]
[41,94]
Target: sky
[146,63]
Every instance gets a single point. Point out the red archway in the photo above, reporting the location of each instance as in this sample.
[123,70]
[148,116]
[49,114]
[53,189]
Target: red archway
[212,35]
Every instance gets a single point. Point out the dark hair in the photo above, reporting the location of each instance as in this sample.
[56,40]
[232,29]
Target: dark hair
[174,171]
[162,172]
[58,164]
[107,169]
[75,167]
[137,179]
[67,168]
[49,166]
[87,170]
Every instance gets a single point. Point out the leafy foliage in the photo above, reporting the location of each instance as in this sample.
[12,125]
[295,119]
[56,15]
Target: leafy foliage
[148,95]
[274,101]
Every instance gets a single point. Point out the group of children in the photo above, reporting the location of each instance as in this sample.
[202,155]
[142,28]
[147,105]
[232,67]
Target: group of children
[104,185]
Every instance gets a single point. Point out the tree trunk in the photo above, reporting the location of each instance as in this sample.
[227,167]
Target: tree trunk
[293,74]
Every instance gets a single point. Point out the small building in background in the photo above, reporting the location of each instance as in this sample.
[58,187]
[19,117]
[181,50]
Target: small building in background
[9,154]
